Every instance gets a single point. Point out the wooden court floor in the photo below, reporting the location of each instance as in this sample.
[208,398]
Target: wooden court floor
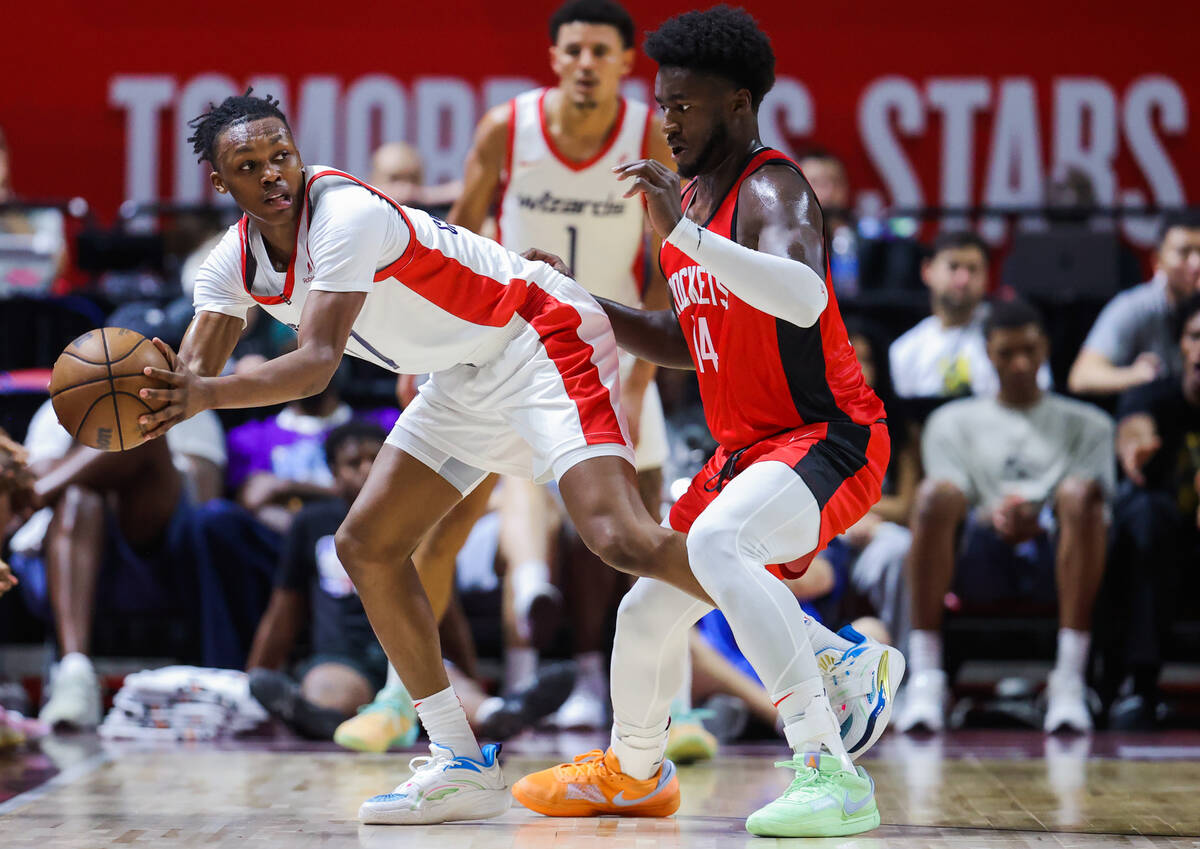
[988,790]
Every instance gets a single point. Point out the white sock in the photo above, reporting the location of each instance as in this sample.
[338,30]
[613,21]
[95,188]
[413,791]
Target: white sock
[1072,651]
[822,638]
[589,674]
[527,578]
[75,663]
[520,667]
[924,651]
[640,750]
[445,722]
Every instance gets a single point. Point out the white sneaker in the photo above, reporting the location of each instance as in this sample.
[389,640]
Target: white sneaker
[1066,704]
[861,683]
[583,709]
[74,695]
[443,788]
[924,704]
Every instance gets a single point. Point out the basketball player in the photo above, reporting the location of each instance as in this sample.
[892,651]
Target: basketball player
[545,159]
[524,383]
[803,443]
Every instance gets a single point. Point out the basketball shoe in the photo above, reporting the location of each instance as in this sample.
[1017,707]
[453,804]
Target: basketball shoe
[443,788]
[388,721]
[861,683]
[594,784]
[823,800]
[688,741]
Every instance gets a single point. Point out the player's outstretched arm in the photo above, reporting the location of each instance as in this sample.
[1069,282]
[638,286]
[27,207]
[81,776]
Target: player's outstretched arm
[324,328]
[651,335]
[209,342]
[483,170]
[776,265]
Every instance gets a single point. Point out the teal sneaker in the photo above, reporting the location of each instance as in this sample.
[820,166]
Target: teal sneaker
[823,800]
[688,741]
[389,722]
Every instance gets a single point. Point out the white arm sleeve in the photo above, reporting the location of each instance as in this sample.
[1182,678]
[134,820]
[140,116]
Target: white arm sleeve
[776,285]
[353,233]
[219,281]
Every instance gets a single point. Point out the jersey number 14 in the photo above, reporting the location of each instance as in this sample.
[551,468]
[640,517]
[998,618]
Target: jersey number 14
[702,344]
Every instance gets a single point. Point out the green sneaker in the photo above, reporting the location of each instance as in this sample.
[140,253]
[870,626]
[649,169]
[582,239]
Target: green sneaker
[390,721]
[822,801]
[688,741]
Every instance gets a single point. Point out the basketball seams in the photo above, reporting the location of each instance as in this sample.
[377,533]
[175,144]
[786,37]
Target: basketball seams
[75,356]
[90,381]
[128,353]
[112,391]
[132,395]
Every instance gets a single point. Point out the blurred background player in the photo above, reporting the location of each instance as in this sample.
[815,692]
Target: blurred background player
[546,158]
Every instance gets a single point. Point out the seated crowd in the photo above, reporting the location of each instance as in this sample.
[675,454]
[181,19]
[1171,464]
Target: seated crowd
[1004,497]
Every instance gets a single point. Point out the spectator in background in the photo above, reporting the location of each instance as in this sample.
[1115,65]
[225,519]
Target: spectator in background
[398,172]
[826,173]
[347,665]
[120,533]
[1028,473]
[1133,340]
[33,247]
[277,464]
[1155,522]
[946,355]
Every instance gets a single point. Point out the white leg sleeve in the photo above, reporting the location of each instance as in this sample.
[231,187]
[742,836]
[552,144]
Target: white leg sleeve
[648,668]
[766,515]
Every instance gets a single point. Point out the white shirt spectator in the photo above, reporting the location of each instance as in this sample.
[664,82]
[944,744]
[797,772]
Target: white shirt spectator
[933,361]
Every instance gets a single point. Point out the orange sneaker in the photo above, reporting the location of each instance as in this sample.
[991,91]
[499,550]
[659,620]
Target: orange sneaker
[594,784]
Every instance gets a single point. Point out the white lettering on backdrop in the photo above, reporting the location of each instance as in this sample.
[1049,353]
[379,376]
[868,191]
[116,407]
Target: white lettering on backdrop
[340,121]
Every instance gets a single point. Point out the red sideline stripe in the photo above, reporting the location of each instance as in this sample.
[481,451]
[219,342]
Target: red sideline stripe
[557,324]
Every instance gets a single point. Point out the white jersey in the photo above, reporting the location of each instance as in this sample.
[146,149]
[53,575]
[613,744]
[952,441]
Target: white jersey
[437,296]
[575,209]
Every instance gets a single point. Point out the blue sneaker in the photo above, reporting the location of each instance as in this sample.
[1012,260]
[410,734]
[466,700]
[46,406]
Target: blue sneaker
[443,788]
[861,683]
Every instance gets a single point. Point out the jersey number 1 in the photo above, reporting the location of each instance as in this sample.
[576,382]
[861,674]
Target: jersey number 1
[572,233]
[702,344]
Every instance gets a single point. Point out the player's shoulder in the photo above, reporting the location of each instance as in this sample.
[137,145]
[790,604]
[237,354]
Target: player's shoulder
[957,414]
[1080,413]
[333,193]
[224,261]
[776,182]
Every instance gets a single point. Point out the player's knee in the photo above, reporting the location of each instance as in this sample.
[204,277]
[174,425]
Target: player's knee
[938,501]
[1078,499]
[360,551]
[714,553]
[620,546]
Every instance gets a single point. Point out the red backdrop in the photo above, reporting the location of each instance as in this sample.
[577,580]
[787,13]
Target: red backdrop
[929,102]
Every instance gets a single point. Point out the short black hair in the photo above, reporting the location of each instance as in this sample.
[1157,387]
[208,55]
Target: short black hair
[723,41]
[1011,314]
[232,110]
[952,240]
[1185,313]
[351,430]
[593,12]
[1188,219]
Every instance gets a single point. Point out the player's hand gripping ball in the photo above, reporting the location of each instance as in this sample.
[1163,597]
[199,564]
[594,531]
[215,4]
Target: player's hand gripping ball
[96,385]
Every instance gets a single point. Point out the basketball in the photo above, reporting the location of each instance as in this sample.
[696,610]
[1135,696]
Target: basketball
[95,386]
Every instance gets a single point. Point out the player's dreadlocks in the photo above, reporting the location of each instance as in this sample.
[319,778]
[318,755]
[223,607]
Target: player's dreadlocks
[593,12]
[723,41]
[232,110]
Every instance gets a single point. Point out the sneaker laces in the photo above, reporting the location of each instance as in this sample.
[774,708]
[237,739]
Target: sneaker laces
[422,767]
[587,765]
[806,776]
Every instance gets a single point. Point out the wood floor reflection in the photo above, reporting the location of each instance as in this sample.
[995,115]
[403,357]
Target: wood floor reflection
[931,794]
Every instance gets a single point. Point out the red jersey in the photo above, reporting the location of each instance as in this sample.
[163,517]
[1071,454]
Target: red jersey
[760,375]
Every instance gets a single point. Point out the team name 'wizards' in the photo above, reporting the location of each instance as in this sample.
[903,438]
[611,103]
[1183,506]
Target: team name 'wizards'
[693,285]
[571,206]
